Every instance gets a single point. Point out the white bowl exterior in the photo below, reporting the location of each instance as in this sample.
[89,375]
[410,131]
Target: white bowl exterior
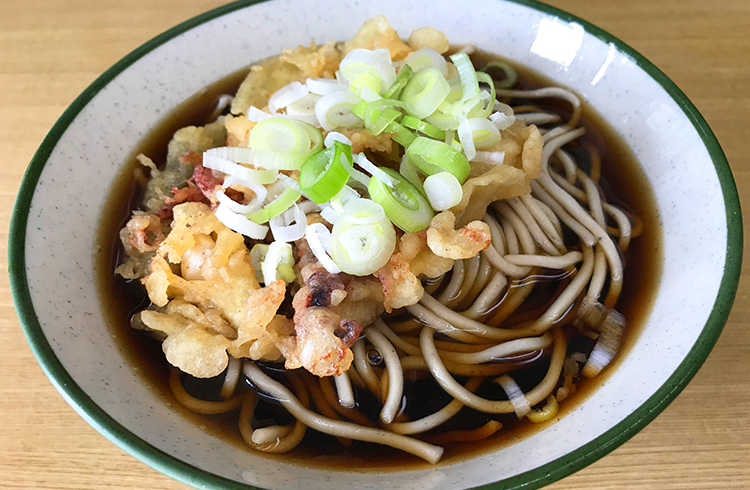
[77,177]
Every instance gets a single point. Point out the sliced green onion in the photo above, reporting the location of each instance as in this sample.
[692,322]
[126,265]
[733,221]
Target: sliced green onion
[335,136]
[304,109]
[335,207]
[485,78]
[442,120]
[467,74]
[373,169]
[334,110]
[484,133]
[377,121]
[283,143]
[278,263]
[279,134]
[366,80]
[501,120]
[359,109]
[369,95]
[432,156]
[401,135]
[363,212]
[427,58]
[324,86]
[423,127]
[511,76]
[319,239]
[401,81]
[223,159]
[323,175]
[240,224]
[361,249]
[290,225]
[286,95]
[256,115]
[403,203]
[464,136]
[426,90]
[375,64]
[409,171]
[491,157]
[443,190]
[283,202]
[258,189]
[257,256]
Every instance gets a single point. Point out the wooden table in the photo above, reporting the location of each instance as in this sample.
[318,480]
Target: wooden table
[50,50]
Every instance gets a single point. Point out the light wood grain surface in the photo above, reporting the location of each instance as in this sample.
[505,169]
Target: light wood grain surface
[50,50]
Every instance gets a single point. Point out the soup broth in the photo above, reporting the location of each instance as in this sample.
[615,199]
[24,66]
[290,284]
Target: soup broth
[623,182]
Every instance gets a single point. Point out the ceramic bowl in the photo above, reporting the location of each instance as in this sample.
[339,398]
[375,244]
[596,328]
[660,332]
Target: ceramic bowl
[69,178]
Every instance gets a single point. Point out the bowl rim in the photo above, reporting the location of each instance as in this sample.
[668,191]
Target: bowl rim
[536,478]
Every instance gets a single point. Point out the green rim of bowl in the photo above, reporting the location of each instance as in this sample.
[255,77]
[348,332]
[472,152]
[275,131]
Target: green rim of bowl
[532,479]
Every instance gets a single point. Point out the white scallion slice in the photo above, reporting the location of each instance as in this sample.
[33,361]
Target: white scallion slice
[216,159]
[410,172]
[427,58]
[515,395]
[304,108]
[366,164]
[324,86]
[491,157]
[467,74]
[465,138]
[329,214]
[373,63]
[363,212]
[502,120]
[334,110]
[424,93]
[443,190]
[256,115]
[289,226]
[286,95]
[240,224]
[282,143]
[319,239]
[258,189]
[335,136]
[369,95]
[504,108]
[361,249]
[278,262]
[355,174]
[484,133]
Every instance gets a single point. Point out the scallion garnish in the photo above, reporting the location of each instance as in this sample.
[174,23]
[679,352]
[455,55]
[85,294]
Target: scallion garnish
[361,249]
[443,190]
[403,203]
[423,127]
[275,207]
[432,156]
[323,175]
[426,90]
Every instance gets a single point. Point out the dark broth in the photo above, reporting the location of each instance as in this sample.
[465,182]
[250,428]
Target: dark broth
[621,177]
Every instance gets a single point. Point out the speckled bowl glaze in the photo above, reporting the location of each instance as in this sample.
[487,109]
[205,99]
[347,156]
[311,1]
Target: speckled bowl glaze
[70,176]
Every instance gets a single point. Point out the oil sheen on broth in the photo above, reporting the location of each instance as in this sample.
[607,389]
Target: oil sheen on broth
[622,181]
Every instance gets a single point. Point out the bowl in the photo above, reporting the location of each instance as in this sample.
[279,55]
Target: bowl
[68,180]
